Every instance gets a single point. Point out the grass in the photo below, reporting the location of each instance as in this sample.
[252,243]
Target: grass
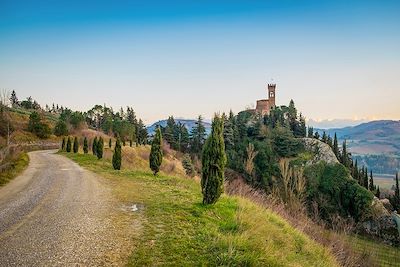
[173,227]
[381,254]
[17,165]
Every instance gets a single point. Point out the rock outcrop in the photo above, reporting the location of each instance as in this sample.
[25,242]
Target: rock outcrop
[322,151]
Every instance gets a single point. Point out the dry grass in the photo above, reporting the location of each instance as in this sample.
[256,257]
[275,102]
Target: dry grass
[335,242]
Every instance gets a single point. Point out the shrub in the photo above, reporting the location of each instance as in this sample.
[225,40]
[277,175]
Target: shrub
[76,145]
[99,147]
[61,128]
[117,158]
[36,126]
[85,146]
[156,154]
[63,144]
[284,143]
[188,165]
[68,144]
[213,162]
[94,146]
[110,143]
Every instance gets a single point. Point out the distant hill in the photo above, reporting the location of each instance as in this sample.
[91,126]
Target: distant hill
[189,124]
[376,144]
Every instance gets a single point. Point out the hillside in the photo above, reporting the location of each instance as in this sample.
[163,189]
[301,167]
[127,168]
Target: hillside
[171,224]
[189,124]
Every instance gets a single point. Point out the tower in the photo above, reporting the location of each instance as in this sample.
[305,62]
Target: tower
[271,94]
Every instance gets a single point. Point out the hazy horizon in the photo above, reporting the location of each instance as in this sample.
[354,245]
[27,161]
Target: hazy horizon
[335,59]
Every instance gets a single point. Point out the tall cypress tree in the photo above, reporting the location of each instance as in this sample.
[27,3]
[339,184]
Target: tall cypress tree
[396,197]
[310,132]
[99,147]
[365,183]
[69,144]
[85,146]
[110,143]
[117,157]
[213,163]
[345,155]
[156,154]
[371,182]
[378,192]
[335,146]
[63,144]
[94,146]
[76,145]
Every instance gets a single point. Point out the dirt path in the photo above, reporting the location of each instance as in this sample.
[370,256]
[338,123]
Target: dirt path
[57,213]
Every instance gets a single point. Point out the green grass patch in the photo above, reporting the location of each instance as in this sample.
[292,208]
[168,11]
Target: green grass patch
[14,167]
[381,254]
[176,229]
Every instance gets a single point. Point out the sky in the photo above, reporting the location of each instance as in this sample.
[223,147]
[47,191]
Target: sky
[338,60]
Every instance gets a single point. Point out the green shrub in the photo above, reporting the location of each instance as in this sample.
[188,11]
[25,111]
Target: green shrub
[85,146]
[76,145]
[68,145]
[63,144]
[37,127]
[188,165]
[94,146]
[117,157]
[61,128]
[156,154]
[99,147]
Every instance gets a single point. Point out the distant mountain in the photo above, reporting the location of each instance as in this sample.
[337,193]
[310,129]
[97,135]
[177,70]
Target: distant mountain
[375,144]
[335,123]
[189,124]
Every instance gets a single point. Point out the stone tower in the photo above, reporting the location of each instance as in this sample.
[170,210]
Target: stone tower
[271,95]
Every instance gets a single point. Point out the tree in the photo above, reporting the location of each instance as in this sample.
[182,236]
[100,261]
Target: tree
[36,126]
[310,132]
[365,182]
[156,154]
[335,146]
[94,146]
[117,157]
[188,165]
[76,145]
[63,144]
[61,128]
[110,143]
[302,126]
[213,163]
[197,136]
[85,146]
[99,147]
[14,99]
[396,197]
[378,193]
[371,183]
[345,159]
[69,144]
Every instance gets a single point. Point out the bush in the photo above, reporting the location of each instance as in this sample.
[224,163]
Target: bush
[61,128]
[284,143]
[69,144]
[37,127]
[188,165]
[76,145]
[156,154]
[85,146]
[63,144]
[94,146]
[117,157]
[99,147]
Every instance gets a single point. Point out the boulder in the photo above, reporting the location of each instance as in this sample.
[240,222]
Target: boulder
[322,151]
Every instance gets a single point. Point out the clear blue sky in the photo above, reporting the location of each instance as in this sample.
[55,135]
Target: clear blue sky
[336,59]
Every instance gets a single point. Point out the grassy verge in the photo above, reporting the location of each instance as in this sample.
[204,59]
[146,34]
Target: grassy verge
[381,254]
[174,228]
[17,165]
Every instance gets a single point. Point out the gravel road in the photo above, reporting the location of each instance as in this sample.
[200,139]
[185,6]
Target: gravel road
[57,214]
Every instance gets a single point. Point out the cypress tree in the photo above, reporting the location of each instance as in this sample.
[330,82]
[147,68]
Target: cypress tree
[156,154]
[85,146]
[94,146]
[213,163]
[397,193]
[130,142]
[63,144]
[69,144]
[335,146]
[310,132]
[117,157]
[378,193]
[76,145]
[110,143]
[371,183]
[99,147]
[345,156]
[365,183]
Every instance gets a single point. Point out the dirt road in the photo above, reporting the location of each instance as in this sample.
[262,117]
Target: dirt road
[57,213]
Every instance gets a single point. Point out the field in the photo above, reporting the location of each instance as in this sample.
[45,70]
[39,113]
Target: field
[173,226]
[384,181]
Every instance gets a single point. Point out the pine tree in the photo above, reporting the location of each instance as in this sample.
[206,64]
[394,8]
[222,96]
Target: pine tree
[110,143]
[197,136]
[76,145]
[345,156]
[365,182]
[303,127]
[117,157]
[324,137]
[68,144]
[371,183]
[85,146]
[310,132]
[63,144]
[14,99]
[316,135]
[94,146]
[335,146]
[99,147]
[378,193]
[156,154]
[213,163]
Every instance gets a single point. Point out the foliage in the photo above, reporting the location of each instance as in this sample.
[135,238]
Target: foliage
[117,156]
[156,154]
[76,145]
[68,149]
[37,126]
[63,144]
[94,146]
[61,128]
[284,143]
[188,165]
[99,148]
[110,143]
[85,145]
[197,136]
[213,162]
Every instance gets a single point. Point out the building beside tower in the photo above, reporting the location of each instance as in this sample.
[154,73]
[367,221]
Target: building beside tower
[264,106]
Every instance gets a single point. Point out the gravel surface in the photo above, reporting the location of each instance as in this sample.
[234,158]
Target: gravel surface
[58,214]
